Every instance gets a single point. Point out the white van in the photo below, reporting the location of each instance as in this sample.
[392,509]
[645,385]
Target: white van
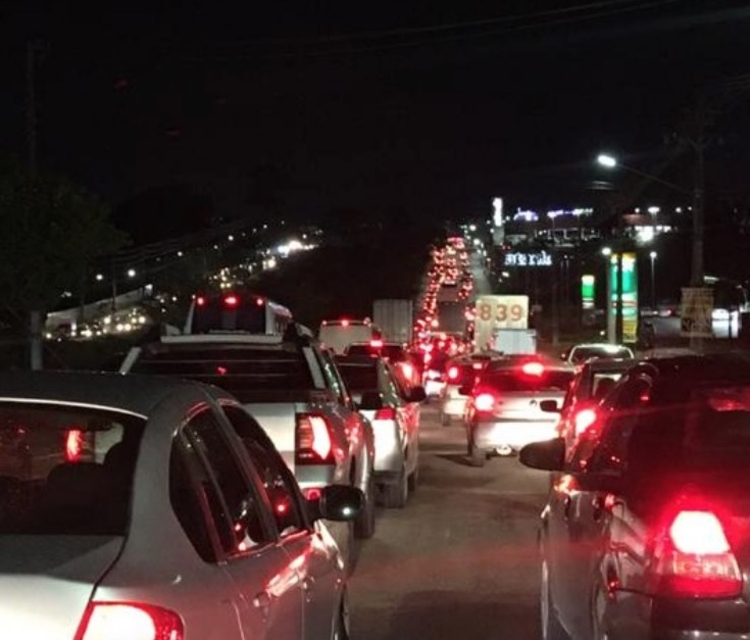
[337,335]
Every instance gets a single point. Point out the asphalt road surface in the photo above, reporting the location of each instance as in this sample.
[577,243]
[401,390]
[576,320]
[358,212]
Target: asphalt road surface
[460,560]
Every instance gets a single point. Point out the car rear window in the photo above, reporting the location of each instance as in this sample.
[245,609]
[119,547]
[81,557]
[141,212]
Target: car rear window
[244,371]
[215,315]
[66,471]
[581,354]
[359,376]
[711,430]
[516,381]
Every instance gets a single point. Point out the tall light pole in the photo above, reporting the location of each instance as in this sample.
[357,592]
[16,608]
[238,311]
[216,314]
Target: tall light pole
[652,255]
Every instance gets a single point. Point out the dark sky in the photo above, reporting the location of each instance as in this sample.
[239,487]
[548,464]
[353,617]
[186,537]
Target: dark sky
[429,106]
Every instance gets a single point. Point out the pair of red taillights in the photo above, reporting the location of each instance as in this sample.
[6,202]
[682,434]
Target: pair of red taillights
[230,301]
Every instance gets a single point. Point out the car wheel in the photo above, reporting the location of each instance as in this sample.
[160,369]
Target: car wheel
[364,525]
[477,455]
[341,625]
[551,627]
[395,494]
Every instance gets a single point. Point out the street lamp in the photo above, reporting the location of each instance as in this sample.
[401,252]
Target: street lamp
[606,252]
[606,161]
[652,255]
[131,273]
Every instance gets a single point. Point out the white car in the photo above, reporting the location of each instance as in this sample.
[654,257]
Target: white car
[153,508]
[580,353]
[393,412]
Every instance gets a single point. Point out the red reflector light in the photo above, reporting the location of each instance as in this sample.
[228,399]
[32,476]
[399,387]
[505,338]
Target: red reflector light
[73,445]
[484,402]
[386,413]
[583,420]
[105,620]
[453,373]
[200,301]
[376,344]
[533,368]
[231,301]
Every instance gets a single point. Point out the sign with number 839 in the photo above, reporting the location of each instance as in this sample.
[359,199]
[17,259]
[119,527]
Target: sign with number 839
[503,312]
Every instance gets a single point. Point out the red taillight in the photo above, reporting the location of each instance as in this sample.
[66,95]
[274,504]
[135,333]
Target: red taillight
[73,445]
[693,559]
[344,323]
[583,420]
[376,344]
[107,620]
[231,301]
[533,368]
[407,370]
[200,301]
[453,373]
[386,413]
[484,402]
[314,444]
[260,302]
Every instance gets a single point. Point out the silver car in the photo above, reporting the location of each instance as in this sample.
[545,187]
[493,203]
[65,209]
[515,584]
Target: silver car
[504,411]
[394,414]
[160,507]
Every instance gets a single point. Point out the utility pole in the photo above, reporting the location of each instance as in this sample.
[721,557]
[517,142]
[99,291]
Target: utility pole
[33,47]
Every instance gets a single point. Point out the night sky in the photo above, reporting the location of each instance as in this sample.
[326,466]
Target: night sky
[368,107]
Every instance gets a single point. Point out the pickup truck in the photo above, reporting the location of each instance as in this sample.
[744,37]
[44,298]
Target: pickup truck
[291,386]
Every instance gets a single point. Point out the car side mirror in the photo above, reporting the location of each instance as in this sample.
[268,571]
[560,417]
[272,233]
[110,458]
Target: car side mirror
[337,502]
[370,401]
[417,394]
[465,390]
[548,455]
[549,406]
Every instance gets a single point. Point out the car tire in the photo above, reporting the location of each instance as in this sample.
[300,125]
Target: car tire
[341,629]
[364,525]
[395,494]
[477,455]
[551,627]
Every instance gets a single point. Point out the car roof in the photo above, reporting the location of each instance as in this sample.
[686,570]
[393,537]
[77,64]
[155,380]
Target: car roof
[601,345]
[136,394]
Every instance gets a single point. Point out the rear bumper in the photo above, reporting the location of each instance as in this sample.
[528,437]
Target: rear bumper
[513,433]
[639,617]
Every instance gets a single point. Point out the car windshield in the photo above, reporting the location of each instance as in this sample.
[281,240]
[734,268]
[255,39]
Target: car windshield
[66,471]
[581,354]
[517,381]
[242,371]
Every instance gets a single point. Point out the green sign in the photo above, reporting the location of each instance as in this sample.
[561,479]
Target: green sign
[629,297]
[588,284]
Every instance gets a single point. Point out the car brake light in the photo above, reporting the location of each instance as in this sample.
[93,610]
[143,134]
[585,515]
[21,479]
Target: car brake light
[108,620]
[386,413]
[200,301]
[407,370]
[694,558]
[484,402]
[260,302]
[314,444]
[344,323]
[533,368]
[231,301]
[583,420]
[73,445]
[376,344]
[453,373]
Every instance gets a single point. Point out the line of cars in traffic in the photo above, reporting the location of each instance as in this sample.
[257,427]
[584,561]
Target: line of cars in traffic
[212,487]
